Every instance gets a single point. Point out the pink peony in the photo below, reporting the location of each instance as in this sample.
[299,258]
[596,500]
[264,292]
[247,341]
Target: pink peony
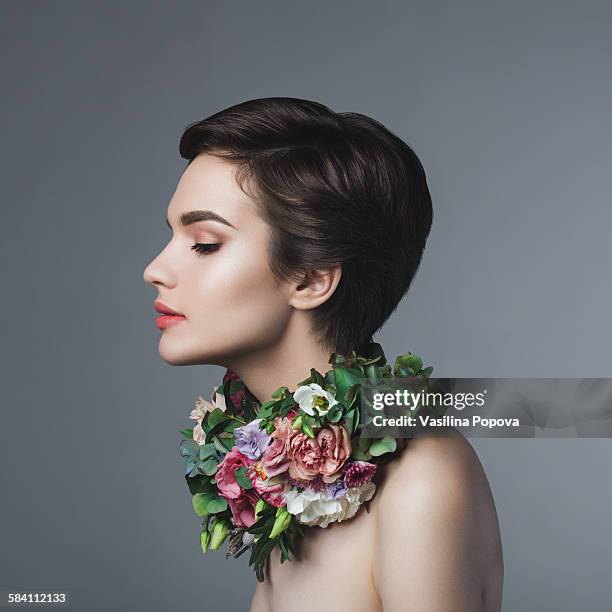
[275,460]
[243,508]
[323,455]
[226,476]
[305,455]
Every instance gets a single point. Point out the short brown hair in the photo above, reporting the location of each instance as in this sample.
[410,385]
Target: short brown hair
[335,188]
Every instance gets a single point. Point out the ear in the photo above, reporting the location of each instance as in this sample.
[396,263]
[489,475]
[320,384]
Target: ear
[316,287]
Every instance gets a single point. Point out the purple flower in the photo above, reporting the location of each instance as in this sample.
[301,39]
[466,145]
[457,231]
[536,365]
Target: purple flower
[250,440]
[337,488]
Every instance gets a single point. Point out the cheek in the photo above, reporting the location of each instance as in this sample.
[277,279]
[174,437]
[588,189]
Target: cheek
[237,299]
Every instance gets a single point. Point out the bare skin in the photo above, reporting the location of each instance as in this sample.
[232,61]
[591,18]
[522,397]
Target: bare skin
[430,542]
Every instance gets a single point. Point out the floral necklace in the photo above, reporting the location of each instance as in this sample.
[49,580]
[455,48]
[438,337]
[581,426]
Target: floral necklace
[257,473]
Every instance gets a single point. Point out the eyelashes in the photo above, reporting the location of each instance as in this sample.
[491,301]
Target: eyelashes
[205,249]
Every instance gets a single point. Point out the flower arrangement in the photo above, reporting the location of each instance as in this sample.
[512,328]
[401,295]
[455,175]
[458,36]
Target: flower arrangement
[258,473]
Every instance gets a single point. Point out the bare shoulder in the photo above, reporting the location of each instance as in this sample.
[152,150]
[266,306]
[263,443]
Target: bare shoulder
[435,516]
[434,465]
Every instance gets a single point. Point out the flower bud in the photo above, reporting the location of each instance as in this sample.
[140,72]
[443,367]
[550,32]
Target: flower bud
[204,540]
[219,534]
[283,520]
[259,506]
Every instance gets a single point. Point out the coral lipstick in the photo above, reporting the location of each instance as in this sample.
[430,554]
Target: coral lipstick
[169,317]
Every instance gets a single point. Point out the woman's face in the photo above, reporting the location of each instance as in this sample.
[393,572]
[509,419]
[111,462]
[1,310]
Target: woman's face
[228,295]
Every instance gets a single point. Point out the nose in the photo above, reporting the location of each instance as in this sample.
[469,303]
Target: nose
[155,274]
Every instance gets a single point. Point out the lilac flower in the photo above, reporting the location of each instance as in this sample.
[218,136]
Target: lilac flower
[250,440]
[337,488]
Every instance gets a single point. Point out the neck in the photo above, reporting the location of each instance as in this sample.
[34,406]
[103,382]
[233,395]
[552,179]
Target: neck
[287,363]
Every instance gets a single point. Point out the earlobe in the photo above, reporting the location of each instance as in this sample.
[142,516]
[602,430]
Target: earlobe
[316,287]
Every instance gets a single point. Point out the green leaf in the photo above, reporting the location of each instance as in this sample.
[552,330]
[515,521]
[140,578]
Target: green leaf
[359,455]
[242,479]
[215,417]
[217,504]
[231,425]
[187,433]
[334,414]
[207,450]
[427,371]
[189,465]
[222,445]
[407,365]
[382,446]
[349,420]
[279,393]
[200,502]
[188,448]
[364,444]
[345,378]
[372,372]
[307,429]
[209,466]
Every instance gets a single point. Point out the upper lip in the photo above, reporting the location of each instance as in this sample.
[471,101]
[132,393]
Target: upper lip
[161,307]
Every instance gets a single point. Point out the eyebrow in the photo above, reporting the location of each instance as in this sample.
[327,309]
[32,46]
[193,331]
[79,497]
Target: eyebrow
[193,216]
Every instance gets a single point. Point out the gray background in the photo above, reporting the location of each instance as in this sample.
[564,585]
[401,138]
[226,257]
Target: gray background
[508,107]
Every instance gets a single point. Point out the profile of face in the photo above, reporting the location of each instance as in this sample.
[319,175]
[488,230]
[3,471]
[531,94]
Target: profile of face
[215,272]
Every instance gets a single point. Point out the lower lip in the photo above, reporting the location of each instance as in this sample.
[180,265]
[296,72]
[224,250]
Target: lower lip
[166,321]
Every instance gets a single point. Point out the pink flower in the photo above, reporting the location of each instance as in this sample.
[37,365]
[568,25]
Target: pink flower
[230,375]
[335,444]
[243,508]
[322,455]
[238,396]
[275,460]
[305,456]
[270,489]
[226,474]
[358,473]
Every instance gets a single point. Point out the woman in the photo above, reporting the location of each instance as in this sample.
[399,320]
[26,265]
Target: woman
[296,232]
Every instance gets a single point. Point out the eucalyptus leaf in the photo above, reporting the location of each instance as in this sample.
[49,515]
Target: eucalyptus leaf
[209,466]
[188,448]
[200,502]
[382,446]
[207,450]
[216,505]
[189,465]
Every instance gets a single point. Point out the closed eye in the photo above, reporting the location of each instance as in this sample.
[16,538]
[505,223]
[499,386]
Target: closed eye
[205,249]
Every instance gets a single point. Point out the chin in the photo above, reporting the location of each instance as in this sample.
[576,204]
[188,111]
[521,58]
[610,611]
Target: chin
[173,353]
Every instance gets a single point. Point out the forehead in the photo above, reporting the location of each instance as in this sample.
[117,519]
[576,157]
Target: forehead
[209,182]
